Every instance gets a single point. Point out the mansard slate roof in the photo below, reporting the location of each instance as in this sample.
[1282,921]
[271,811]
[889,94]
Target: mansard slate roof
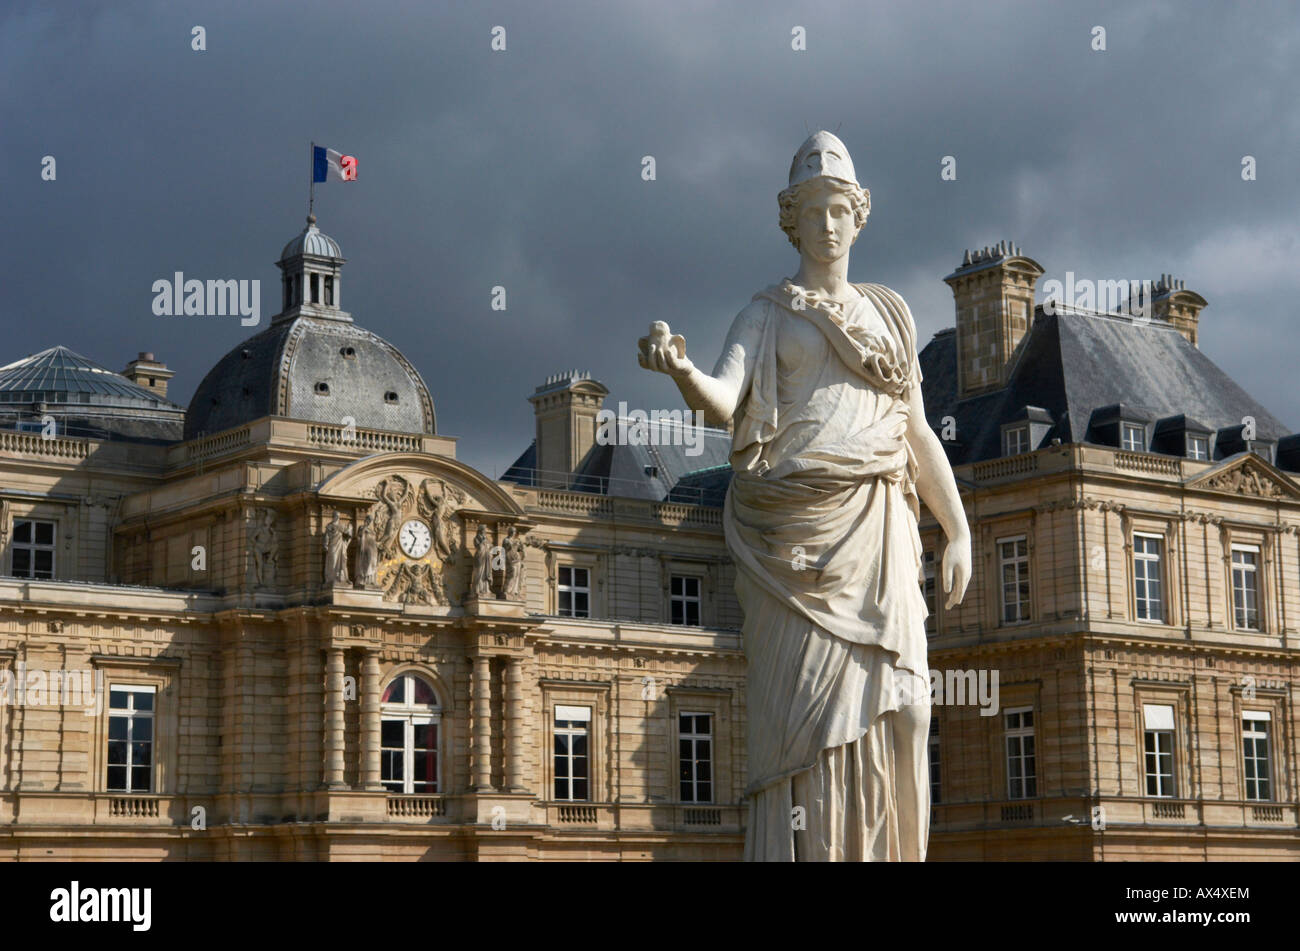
[1072,364]
[276,372]
[663,472]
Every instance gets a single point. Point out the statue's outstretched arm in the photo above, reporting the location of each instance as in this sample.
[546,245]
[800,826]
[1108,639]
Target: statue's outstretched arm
[717,396]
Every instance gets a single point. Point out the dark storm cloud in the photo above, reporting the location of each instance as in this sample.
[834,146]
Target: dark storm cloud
[522,169]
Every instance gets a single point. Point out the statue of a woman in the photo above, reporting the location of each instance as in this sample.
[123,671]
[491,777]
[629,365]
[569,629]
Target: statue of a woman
[262,542]
[337,537]
[367,554]
[514,552]
[830,452]
[482,564]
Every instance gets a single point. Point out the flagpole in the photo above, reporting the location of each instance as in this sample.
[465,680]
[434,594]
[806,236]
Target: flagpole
[311,192]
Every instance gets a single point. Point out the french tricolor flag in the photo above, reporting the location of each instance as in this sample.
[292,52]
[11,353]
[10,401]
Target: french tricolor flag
[327,164]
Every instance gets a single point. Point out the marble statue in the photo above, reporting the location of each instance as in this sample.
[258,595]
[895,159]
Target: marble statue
[831,456]
[367,554]
[338,535]
[514,552]
[482,564]
[262,543]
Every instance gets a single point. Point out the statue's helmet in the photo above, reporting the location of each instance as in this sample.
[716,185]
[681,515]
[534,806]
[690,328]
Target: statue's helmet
[822,155]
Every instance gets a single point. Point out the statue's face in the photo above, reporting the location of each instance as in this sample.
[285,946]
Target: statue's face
[825,226]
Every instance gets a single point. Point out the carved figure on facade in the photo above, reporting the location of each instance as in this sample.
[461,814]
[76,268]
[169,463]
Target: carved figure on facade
[482,563]
[338,535]
[367,554]
[514,553]
[1246,480]
[415,540]
[263,545]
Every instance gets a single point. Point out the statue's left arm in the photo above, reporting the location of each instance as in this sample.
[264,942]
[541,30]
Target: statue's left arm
[937,488]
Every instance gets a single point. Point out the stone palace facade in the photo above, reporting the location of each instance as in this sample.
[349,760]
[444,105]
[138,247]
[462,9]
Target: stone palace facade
[287,623]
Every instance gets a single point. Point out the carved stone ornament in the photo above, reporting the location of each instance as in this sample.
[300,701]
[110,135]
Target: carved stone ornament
[263,547]
[416,539]
[1246,479]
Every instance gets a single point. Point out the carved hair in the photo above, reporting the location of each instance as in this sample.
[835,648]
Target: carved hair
[790,197]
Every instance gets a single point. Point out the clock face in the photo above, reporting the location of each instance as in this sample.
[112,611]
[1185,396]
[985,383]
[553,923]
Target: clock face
[414,538]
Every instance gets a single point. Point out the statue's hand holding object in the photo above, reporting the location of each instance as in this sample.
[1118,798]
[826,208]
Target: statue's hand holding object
[664,351]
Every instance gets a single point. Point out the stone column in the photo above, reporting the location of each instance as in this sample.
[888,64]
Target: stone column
[334,719]
[370,722]
[482,723]
[515,724]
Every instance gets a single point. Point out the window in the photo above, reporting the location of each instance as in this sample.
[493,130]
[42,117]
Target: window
[572,759]
[1014,556]
[33,549]
[574,592]
[1158,748]
[408,736]
[1245,588]
[1021,781]
[695,756]
[1015,440]
[684,600]
[1198,447]
[928,589]
[1147,595]
[329,291]
[936,785]
[1132,437]
[130,738]
[1254,746]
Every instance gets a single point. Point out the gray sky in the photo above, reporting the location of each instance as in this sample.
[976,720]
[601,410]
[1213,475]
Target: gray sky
[523,169]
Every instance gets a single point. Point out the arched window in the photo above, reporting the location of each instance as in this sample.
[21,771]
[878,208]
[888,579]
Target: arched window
[409,717]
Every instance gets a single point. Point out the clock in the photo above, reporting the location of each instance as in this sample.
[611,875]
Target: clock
[415,538]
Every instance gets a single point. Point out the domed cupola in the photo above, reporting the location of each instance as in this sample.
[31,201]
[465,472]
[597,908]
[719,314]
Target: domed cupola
[313,363]
[310,267]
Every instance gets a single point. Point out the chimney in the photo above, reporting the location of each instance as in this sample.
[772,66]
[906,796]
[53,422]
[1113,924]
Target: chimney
[145,371]
[566,406]
[1171,301]
[993,289]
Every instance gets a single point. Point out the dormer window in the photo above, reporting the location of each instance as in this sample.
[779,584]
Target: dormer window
[1015,440]
[322,389]
[1132,437]
[1198,447]
[390,397]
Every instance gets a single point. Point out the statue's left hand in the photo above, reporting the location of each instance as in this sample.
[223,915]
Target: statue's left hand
[956,570]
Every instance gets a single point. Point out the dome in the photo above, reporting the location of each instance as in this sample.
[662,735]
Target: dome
[86,398]
[58,375]
[313,368]
[311,240]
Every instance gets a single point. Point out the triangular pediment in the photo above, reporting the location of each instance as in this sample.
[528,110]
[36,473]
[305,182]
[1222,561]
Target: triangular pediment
[1248,475]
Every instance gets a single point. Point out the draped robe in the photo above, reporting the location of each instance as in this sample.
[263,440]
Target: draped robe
[821,521]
